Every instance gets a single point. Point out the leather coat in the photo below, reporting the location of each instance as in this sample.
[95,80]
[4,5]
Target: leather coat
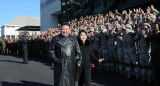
[65,53]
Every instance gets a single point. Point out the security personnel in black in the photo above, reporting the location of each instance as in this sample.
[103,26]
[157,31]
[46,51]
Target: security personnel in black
[20,45]
[25,50]
[154,38]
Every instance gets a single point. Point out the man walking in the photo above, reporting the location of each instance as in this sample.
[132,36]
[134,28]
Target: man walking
[65,52]
[25,50]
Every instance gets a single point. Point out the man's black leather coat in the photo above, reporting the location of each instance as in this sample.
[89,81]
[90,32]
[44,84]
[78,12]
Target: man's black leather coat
[65,53]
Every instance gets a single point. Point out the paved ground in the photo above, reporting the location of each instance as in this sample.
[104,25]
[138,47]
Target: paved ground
[113,79]
[39,73]
[14,73]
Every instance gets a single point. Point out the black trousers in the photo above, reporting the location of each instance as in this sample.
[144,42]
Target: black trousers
[83,79]
[82,82]
[25,55]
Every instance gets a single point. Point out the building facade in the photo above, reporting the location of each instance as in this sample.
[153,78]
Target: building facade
[50,9]
[10,29]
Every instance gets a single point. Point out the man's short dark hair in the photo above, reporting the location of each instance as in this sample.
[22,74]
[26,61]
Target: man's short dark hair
[65,23]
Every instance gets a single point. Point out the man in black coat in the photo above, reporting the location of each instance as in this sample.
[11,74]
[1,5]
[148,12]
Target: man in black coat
[25,50]
[154,38]
[65,52]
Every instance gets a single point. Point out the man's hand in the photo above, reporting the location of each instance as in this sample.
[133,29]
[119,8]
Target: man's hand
[100,60]
[78,64]
[123,27]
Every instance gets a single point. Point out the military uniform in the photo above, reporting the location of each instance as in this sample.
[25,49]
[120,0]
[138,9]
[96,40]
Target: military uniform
[119,40]
[6,50]
[112,51]
[96,44]
[20,53]
[0,46]
[130,57]
[29,47]
[104,49]
[3,46]
[143,48]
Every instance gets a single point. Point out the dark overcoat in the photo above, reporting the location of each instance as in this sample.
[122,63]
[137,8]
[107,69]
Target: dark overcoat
[87,58]
[65,53]
[155,55]
[25,51]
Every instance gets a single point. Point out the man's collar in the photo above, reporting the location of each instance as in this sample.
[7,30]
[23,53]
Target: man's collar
[69,36]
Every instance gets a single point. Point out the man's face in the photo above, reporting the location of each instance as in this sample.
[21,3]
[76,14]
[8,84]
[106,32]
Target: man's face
[145,26]
[85,27]
[91,33]
[65,30]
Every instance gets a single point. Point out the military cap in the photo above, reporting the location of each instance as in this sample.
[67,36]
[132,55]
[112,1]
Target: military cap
[146,24]
[128,26]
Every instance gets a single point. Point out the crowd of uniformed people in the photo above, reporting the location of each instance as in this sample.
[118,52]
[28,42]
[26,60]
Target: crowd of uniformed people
[125,40]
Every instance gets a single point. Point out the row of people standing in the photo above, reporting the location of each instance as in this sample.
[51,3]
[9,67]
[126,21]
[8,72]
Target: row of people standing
[37,47]
[127,50]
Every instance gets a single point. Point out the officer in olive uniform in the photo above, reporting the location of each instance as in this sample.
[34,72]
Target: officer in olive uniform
[3,46]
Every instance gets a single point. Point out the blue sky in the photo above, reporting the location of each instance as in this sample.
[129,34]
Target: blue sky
[10,9]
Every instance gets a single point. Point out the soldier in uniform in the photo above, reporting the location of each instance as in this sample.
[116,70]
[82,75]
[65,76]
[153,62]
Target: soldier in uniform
[20,45]
[9,47]
[103,47]
[3,46]
[95,43]
[41,45]
[36,44]
[112,49]
[119,40]
[29,47]
[33,42]
[96,46]
[143,48]
[46,46]
[130,57]
[6,50]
